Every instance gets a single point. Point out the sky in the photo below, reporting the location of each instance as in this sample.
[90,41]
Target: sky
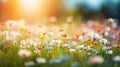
[91,4]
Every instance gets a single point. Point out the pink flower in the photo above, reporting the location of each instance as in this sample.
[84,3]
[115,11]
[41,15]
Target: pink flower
[96,59]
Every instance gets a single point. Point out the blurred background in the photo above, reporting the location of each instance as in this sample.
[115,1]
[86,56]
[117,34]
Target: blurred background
[34,10]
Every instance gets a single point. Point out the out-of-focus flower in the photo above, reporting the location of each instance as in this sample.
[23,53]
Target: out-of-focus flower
[65,45]
[116,58]
[96,59]
[87,47]
[72,50]
[109,51]
[24,53]
[104,41]
[69,37]
[98,29]
[29,64]
[36,51]
[49,34]
[64,35]
[23,42]
[41,60]
[48,48]
[81,38]
[73,43]
[10,23]
[80,47]
[107,47]
[31,42]
[69,19]
[118,33]
[95,43]
[55,42]
[53,19]
[89,39]
[107,29]
[40,47]
[117,46]
[112,22]
[106,33]
[96,36]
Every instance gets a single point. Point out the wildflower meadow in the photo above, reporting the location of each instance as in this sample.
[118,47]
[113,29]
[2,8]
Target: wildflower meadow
[60,43]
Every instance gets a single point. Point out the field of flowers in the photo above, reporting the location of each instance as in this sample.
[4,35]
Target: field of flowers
[54,43]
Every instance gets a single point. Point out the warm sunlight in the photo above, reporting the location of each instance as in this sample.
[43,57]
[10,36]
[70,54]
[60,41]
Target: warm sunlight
[29,5]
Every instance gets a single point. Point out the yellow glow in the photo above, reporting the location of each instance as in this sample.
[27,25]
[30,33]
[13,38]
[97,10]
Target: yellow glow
[29,5]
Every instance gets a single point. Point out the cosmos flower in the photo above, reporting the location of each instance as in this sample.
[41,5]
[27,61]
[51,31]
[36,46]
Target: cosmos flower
[98,29]
[41,60]
[24,53]
[96,59]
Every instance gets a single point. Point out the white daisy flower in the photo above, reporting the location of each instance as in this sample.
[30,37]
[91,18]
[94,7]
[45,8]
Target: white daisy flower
[104,41]
[81,38]
[55,42]
[65,45]
[107,29]
[24,53]
[10,23]
[80,47]
[116,58]
[41,60]
[36,51]
[95,36]
[106,33]
[49,34]
[109,51]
